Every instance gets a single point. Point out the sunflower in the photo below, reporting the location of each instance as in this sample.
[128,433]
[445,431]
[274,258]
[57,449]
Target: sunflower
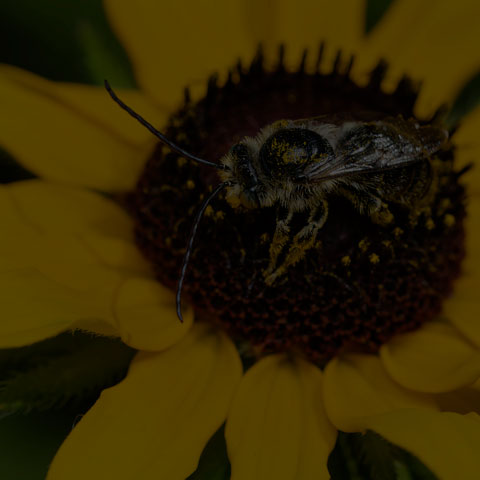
[86,243]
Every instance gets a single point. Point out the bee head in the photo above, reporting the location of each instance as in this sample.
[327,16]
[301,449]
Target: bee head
[288,151]
[242,173]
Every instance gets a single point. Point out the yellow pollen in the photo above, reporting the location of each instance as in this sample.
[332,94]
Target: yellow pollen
[397,231]
[180,137]
[363,245]
[234,201]
[444,205]
[449,220]
[190,184]
[346,260]
[280,123]
[209,211]
[430,224]
[374,258]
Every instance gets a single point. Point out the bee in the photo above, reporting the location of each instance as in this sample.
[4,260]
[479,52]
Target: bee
[297,166]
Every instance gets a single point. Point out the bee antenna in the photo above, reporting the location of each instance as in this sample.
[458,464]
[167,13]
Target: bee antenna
[160,135]
[464,170]
[193,233]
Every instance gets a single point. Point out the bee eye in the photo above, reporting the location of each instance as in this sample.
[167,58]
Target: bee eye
[243,167]
[288,151]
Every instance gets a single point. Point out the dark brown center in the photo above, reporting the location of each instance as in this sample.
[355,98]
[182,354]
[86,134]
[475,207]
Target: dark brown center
[362,284]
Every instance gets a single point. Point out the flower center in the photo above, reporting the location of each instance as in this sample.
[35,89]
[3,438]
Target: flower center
[367,273]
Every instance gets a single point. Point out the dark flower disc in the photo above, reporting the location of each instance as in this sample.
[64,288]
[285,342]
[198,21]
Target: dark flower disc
[358,287]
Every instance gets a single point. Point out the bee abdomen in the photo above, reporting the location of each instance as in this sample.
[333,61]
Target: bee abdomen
[409,185]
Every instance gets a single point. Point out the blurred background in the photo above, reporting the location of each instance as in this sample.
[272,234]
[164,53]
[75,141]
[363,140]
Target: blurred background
[65,40]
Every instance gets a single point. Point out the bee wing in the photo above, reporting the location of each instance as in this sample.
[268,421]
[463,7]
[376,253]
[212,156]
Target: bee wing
[378,146]
[364,159]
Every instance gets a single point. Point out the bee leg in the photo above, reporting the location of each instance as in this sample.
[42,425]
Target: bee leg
[281,238]
[303,241]
[381,215]
[367,203]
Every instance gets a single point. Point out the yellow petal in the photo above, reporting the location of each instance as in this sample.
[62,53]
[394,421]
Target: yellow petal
[54,248]
[38,303]
[471,266]
[465,400]
[434,359]
[72,133]
[436,43]
[101,225]
[172,44]
[357,386]
[447,443]
[468,149]
[35,307]
[146,317]
[277,427]
[156,422]
[305,24]
[93,101]
[142,312]
[56,289]
[29,242]
[462,308]
[98,327]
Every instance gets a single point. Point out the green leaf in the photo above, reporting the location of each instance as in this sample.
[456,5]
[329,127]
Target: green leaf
[417,470]
[375,454]
[10,170]
[67,369]
[48,38]
[466,101]
[402,471]
[98,58]
[213,464]
[369,456]
[343,463]
[29,442]
[374,12]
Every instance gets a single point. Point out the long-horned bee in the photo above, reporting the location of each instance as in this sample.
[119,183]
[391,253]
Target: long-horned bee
[297,166]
